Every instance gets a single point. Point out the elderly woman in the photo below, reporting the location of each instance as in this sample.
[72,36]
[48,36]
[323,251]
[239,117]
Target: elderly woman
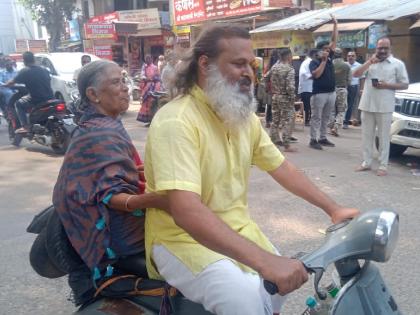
[99,191]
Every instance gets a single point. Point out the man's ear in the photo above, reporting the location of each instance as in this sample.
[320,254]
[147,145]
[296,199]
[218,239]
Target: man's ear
[203,64]
[92,95]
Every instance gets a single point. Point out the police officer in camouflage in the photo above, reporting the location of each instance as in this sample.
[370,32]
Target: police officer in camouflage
[343,77]
[282,79]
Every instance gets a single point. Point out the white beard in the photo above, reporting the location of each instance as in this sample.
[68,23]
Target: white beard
[231,105]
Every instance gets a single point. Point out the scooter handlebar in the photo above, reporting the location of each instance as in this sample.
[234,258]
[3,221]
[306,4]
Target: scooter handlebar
[272,288]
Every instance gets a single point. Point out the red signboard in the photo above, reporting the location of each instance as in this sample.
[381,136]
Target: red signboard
[100,31]
[105,18]
[192,11]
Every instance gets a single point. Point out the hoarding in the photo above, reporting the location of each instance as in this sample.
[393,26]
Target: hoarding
[145,19]
[100,31]
[355,39]
[193,11]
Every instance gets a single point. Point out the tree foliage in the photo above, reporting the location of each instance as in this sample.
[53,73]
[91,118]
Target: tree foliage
[321,4]
[51,14]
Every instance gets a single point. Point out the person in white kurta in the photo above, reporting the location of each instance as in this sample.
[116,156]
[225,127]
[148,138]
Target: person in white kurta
[378,101]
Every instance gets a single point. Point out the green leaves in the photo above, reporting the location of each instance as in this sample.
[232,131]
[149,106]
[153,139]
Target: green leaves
[51,14]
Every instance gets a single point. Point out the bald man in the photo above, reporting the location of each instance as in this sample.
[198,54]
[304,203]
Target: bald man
[384,75]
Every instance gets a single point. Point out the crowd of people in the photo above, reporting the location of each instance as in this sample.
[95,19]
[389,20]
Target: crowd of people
[330,89]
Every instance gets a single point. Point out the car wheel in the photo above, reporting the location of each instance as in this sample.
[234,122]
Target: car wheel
[395,150]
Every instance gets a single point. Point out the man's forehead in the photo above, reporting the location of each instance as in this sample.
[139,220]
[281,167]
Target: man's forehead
[383,43]
[237,47]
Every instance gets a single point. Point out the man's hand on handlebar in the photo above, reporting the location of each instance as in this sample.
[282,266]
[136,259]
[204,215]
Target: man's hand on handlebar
[341,214]
[288,274]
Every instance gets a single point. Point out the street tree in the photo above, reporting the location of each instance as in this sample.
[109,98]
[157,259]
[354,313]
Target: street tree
[51,14]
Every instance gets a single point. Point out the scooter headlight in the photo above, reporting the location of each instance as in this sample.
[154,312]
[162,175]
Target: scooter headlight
[386,236]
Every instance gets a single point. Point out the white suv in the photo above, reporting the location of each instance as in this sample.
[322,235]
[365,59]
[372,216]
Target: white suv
[61,67]
[405,128]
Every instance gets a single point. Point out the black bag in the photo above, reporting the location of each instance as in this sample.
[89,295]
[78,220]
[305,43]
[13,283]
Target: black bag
[39,222]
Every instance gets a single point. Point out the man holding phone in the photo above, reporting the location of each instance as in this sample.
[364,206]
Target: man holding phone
[384,75]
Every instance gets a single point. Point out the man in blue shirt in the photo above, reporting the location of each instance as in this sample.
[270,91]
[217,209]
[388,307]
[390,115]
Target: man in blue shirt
[6,75]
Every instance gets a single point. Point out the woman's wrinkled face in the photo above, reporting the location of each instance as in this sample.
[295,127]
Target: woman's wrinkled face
[113,98]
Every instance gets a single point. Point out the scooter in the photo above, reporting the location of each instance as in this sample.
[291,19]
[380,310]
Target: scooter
[51,124]
[350,246]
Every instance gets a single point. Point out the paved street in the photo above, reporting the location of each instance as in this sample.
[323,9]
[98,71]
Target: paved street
[27,177]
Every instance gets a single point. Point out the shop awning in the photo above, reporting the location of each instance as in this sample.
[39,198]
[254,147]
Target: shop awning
[415,25]
[344,27]
[132,28]
[302,21]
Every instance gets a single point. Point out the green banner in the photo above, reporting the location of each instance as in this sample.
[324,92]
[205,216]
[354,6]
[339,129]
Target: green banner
[346,39]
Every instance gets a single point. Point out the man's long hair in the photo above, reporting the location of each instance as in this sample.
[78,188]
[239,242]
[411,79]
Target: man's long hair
[207,44]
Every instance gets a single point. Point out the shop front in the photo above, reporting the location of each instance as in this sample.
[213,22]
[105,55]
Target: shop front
[189,16]
[126,37]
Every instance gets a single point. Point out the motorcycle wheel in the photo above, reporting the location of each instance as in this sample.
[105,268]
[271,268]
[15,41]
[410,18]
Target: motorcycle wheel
[61,140]
[15,138]
[40,261]
[58,246]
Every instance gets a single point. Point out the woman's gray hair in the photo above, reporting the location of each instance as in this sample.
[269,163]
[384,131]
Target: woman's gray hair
[91,75]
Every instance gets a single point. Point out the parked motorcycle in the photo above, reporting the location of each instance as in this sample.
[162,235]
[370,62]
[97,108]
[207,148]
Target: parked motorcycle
[50,123]
[136,92]
[74,105]
[350,246]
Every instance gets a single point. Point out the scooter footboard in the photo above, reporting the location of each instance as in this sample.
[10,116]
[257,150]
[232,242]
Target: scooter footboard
[365,294]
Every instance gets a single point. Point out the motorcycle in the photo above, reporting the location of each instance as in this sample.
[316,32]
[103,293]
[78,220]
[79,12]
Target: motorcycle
[350,246]
[50,123]
[136,92]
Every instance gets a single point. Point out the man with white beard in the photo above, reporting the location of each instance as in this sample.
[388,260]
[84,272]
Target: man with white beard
[199,152]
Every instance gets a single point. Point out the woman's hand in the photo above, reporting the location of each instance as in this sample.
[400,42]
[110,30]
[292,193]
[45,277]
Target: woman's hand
[140,170]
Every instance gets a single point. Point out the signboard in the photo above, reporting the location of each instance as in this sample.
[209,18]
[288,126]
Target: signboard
[182,29]
[279,3]
[271,40]
[146,19]
[105,18]
[192,11]
[299,42]
[376,31]
[346,39]
[88,46]
[100,31]
[103,51]
[74,30]
[21,45]
[33,45]
[37,45]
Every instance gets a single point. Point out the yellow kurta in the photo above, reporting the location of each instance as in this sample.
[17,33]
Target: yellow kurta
[188,148]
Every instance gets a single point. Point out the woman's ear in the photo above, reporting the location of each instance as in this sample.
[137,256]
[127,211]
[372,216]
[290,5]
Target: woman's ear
[92,95]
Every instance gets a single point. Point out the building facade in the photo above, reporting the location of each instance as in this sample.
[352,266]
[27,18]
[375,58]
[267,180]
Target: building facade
[16,24]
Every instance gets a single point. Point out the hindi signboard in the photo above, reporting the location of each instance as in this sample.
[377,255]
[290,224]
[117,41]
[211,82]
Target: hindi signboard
[192,11]
[104,18]
[100,31]
[346,39]
[146,19]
